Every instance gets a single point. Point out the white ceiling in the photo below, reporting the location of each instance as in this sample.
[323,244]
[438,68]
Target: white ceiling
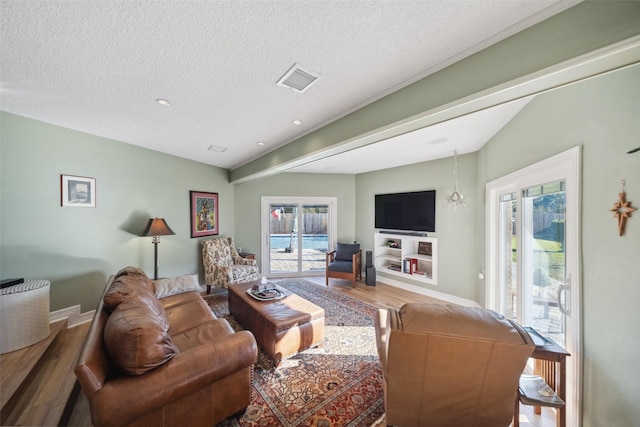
[99,66]
[463,135]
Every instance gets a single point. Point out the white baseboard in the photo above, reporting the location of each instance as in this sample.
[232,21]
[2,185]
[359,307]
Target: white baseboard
[72,314]
[428,292]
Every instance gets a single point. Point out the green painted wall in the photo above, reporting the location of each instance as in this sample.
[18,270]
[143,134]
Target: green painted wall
[77,249]
[602,115]
[248,198]
[456,233]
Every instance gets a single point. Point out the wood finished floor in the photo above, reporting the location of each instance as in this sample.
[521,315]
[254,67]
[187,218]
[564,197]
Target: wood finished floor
[381,296]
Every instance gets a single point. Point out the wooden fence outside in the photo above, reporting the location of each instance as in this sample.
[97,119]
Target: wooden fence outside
[312,223]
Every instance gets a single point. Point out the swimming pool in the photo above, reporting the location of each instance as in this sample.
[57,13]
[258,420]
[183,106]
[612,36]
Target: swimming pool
[319,242]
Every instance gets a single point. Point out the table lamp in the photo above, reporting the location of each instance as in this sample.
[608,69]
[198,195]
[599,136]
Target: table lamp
[156,227]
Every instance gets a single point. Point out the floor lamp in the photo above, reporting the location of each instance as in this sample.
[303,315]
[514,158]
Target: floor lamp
[156,227]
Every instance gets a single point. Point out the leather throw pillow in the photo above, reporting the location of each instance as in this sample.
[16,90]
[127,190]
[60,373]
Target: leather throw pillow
[137,338]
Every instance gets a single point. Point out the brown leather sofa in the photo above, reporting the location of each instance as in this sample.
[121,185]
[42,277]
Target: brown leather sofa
[168,361]
[449,365]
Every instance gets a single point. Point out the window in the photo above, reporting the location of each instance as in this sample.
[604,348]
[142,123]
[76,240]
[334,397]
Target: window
[533,255]
[297,233]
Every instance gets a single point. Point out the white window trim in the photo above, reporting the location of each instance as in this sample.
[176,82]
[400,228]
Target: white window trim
[567,166]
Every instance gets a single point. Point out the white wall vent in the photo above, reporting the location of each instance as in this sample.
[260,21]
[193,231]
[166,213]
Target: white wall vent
[297,79]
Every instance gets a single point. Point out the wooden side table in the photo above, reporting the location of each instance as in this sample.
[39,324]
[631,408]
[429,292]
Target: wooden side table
[551,365]
[247,255]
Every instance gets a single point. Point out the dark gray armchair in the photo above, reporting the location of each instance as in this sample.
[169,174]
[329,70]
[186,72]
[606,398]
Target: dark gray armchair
[345,263]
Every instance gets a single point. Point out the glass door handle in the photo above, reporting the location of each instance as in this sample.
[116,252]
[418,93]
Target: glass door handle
[564,288]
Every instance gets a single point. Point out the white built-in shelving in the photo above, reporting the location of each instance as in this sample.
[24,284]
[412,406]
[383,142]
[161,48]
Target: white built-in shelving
[394,254]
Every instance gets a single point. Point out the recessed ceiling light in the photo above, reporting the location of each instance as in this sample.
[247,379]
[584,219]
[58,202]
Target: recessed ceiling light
[260,143]
[217,148]
[297,122]
[437,141]
[164,102]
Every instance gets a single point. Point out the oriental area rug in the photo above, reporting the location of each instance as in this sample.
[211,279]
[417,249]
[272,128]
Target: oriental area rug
[339,384]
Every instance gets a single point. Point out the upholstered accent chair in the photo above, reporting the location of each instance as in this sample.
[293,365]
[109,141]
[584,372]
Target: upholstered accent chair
[449,365]
[344,263]
[223,265]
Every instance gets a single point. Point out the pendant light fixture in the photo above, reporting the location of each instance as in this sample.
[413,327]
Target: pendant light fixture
[455,199]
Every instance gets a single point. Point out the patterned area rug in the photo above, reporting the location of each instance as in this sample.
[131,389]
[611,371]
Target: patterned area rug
[339,384]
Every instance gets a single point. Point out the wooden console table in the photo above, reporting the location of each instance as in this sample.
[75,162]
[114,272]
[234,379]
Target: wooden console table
[550,364]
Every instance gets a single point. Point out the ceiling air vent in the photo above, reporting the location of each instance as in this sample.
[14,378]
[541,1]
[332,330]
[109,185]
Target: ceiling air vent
[297,79]
[217,148]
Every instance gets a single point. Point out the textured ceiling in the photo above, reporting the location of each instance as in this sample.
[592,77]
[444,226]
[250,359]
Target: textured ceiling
[99,66]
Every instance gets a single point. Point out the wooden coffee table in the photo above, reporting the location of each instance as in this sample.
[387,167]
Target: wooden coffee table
[281,327]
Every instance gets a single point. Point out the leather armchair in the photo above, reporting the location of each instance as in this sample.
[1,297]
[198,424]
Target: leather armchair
[449,365]
[223,265]
[344,263]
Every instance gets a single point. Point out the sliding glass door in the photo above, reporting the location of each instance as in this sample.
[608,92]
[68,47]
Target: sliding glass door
[533,244]
[544,277]
[297,233]
[533,256]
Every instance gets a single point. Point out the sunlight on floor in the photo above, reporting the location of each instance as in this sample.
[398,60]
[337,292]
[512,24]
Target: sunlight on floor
[348,341]
[529,419]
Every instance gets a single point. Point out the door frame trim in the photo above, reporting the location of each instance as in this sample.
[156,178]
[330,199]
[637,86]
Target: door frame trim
[566,165]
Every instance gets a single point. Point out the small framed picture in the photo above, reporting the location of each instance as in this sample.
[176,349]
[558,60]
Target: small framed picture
[424,248]
[204,214]
[77,191]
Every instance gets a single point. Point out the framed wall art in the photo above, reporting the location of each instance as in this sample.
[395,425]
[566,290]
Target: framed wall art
[204,214]
[77,191]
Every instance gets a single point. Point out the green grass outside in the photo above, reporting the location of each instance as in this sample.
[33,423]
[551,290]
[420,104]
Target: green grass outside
[551,257]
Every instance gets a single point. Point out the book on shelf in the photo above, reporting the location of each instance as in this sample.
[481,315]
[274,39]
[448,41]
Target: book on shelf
[410,265]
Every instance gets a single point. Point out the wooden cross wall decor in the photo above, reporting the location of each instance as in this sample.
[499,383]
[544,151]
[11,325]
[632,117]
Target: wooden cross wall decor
[622,210]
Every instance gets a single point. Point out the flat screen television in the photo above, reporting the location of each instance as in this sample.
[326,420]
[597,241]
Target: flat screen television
[413,211]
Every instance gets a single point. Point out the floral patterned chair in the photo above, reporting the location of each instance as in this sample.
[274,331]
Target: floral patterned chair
[223,265]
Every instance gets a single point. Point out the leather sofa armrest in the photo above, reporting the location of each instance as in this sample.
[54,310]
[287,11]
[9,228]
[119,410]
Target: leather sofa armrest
[382,329]
[186,373]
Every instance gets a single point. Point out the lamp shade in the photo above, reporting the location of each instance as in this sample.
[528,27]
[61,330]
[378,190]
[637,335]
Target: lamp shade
[156,227]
